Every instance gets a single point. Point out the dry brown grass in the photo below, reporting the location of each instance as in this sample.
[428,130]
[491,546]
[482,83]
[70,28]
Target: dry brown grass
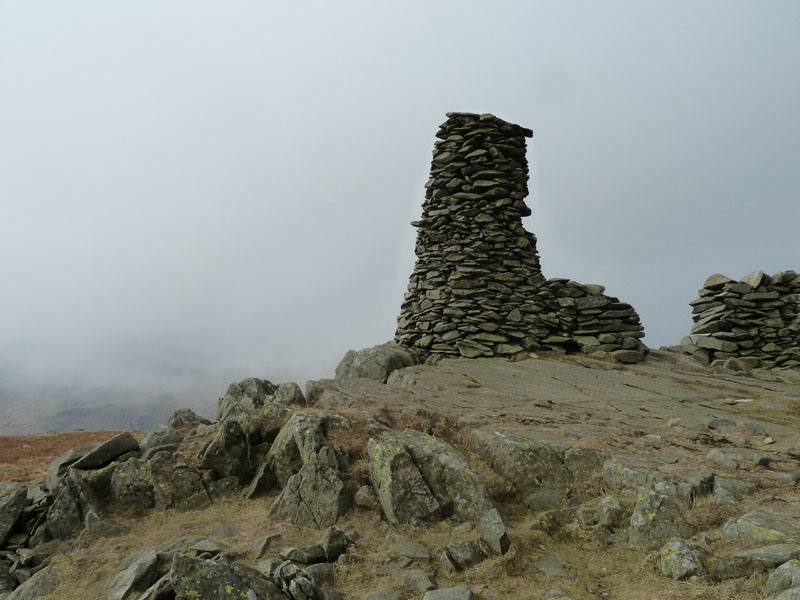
[615,570]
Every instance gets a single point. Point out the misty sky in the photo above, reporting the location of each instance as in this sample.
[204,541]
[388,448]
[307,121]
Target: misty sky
[226,187]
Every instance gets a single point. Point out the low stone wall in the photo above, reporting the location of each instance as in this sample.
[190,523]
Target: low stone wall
[756,319]
[477,288]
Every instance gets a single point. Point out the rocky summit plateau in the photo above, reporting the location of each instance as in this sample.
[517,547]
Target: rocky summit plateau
[547,476]
[516,439]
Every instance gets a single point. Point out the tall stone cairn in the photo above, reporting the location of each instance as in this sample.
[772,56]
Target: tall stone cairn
[477,288]
[755,320]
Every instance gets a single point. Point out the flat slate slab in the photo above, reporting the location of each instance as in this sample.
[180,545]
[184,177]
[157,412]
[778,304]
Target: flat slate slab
[107,451]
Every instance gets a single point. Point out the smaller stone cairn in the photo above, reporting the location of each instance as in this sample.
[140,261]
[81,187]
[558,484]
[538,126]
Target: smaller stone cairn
[756,320]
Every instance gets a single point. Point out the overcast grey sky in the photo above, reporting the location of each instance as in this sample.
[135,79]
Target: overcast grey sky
[227,186]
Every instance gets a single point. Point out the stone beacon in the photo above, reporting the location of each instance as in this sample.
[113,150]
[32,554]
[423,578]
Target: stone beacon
[477,288]
[746,324]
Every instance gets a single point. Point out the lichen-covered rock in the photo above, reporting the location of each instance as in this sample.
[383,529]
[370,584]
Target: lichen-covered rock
[13,498]
[655,517]
[465,554]
[199,578]
[402,492]
[184,417]
[107,451]
[59,467]
[299,439]
[132,485]
[419,478]
[64,517]
[493,532]
[784,577]
[776,524]
[314,497]
[377,362]
[228,454]
[536,471]
[138,575]
[246,396]
[289,394]
[190,493]
[680,559]
[42,583]
[460,592]
[160,435]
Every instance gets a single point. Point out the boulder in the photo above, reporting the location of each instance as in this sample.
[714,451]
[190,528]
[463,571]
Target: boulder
[160,435]
[314,497]
[64,517]
[375,363]
[200,578]
[132,485]
[289,394]
[680,559]
[184,417]
[460,592]
[493,532]
[138,575]
[299,439]
[12,500]
[59,467]
[107,451]
[465,554]
[42,583]
[779,523]
[655,517]
[784,577]
[419,583]
[228,454]
[535,470]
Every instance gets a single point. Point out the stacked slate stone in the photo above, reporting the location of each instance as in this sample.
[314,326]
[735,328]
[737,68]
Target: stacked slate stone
[756,319]
[477,288]
[598,324]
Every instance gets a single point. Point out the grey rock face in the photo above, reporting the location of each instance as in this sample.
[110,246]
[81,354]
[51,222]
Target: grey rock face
[656,516]
[137,576]
[64,517]
[384,594]
[536,471]
[377,362]
[493,532]
[772,524]
[314,497]
[784,577]
[289,394]
[298,440]
[58,468]
[460,592]
[731,491]
[228,455]
[199,578]
[465,554]
[42,583]
[419,583]
[680,559]
[185,416]
[160,435]
[132,485]
[419,479]
[12,501]
[108,451]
